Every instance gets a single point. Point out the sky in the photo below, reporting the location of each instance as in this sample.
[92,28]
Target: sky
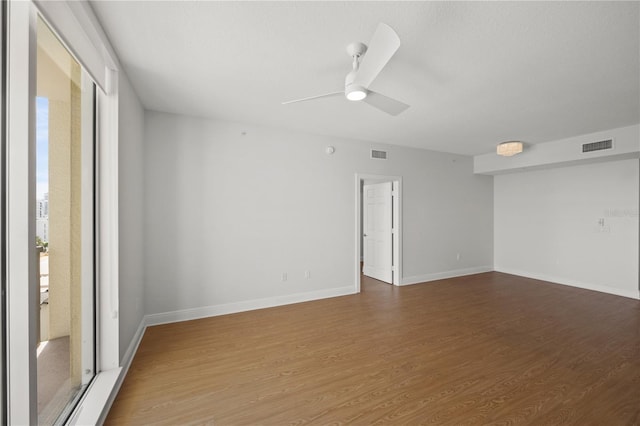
[42,147]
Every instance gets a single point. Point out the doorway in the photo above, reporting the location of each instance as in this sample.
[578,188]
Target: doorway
[386,261]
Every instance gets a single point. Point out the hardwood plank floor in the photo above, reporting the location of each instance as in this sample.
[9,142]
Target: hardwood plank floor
[484,349]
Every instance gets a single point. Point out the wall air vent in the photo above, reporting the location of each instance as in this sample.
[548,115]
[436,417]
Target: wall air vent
[597,146]
[379,155]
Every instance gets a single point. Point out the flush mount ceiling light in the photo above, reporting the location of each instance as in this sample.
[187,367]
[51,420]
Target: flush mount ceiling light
[507,149]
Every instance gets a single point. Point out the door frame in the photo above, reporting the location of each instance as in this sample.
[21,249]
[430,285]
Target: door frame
[20,185]
[397,225]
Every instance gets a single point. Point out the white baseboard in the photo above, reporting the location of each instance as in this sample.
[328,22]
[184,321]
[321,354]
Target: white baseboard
[247,305]
[133,345]
[633,294]
[124,368]
[417,279]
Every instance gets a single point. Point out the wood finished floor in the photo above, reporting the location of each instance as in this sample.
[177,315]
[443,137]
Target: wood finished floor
[484,349]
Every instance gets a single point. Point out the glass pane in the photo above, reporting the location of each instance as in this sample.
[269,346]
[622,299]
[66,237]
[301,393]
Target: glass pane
[66,346]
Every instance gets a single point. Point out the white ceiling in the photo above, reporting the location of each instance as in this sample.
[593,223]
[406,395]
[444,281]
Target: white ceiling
[474,73]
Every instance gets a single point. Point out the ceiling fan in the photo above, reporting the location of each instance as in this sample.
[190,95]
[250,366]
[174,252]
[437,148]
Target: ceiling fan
[384,44]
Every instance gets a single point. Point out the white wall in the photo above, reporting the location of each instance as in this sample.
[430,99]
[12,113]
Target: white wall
[226,213]
[131,212]
[546,225]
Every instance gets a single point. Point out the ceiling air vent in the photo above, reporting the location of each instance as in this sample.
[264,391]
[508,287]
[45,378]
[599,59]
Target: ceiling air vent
[597,146]
[380,155]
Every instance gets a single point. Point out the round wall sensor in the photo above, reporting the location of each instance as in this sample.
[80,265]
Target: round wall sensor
[330,150]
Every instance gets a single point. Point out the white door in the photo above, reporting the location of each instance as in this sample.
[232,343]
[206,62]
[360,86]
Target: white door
[377,231]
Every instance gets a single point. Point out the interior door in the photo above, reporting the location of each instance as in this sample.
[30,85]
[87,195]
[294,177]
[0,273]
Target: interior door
[377,231]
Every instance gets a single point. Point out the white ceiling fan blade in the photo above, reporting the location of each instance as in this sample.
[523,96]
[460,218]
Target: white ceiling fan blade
[326,95]
[384,103]
[384,44]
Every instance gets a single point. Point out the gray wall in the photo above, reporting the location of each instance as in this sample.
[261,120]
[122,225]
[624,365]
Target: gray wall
[547,225]
[131,212]
[227,213]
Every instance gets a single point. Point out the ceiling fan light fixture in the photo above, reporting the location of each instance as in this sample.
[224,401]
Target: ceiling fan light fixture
[508,149]
[356,93]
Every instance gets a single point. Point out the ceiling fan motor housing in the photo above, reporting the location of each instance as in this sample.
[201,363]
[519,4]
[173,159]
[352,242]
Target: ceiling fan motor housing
[355,92]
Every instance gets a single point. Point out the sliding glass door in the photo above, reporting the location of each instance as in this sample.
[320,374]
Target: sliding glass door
[64,227]
[48,196]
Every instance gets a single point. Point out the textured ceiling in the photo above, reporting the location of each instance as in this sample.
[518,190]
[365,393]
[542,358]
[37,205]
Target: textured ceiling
[474,73]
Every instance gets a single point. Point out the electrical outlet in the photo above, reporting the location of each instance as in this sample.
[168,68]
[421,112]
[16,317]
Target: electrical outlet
[307,274]
[458,256]
[284,276]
